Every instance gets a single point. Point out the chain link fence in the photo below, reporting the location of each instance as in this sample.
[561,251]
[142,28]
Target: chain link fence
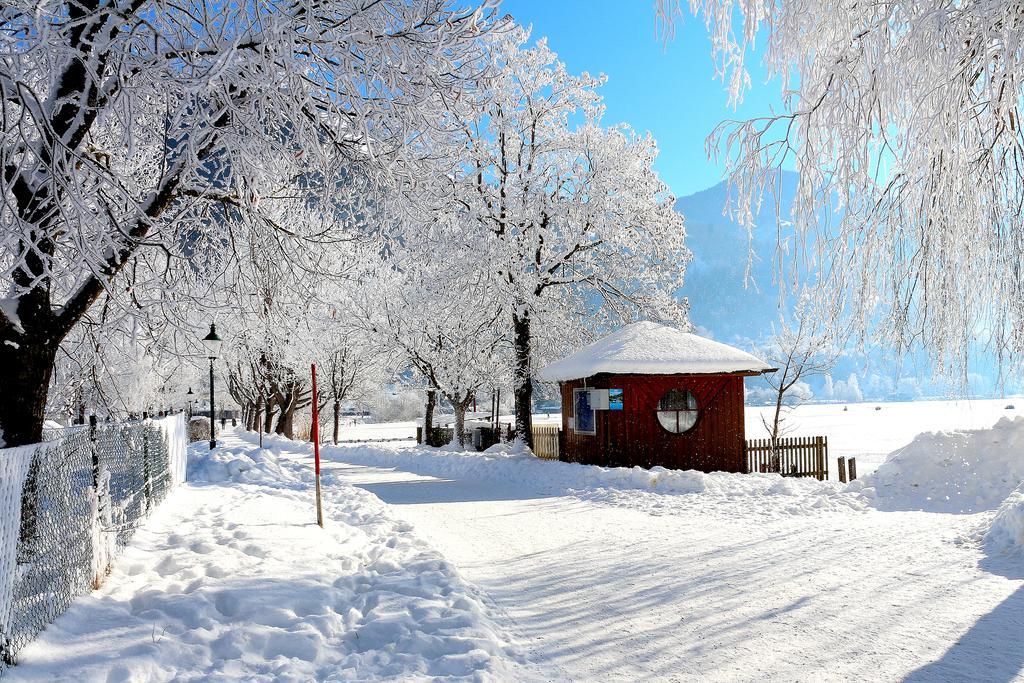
[67,508]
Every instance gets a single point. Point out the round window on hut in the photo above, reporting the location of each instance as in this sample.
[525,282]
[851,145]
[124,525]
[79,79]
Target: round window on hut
[677,411]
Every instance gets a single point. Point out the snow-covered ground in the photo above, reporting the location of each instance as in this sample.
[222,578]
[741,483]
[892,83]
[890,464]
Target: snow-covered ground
[503,566]
[232,579]
[853,430]
[861,431]
[606,576]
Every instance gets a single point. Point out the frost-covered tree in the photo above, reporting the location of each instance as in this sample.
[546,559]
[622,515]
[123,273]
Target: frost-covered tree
[285,311]
[433,306]
[572,211]
[906,116]
[138,134]
[799,349]
[111,372]
[114,364]
[350,370]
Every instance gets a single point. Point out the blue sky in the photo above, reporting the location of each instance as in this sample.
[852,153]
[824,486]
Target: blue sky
[671,91]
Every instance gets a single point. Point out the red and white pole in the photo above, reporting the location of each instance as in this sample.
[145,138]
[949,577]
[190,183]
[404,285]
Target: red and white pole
[316,449]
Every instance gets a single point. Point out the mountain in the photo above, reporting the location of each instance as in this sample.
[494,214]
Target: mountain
[721,301]
[725,307]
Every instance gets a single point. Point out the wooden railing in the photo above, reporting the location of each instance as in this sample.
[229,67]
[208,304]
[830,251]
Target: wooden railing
[799,456]
[545,441]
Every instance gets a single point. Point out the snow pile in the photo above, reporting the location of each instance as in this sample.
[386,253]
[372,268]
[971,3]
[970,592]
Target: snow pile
[511,448]
[650,348]
[957,471]
[175,433]
[516,466]
[243,465]
[1006,535]
[237,582]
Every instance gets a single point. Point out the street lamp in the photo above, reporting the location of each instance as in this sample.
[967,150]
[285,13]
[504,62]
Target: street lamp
[190,396]
[212,342]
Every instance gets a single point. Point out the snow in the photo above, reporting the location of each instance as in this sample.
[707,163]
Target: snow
[1006,534]
[870,431]
[556,571]
[9,308]
[625,581]
[14,464]
[955,471]
[770,494]
[853,430]
[240,465]
[175,431]
[232,579]
[650,348]
[357,430]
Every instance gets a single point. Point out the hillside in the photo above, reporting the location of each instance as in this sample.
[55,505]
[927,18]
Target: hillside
[725,307]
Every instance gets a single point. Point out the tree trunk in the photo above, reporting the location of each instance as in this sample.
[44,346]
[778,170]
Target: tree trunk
[284,423]
[337,415]
[521,379]
[268,418]
[257,413]
[461,405]
[778,414]
[459,433]
[80,403]
[286,420]
[26,370]
[776,456]
[428,417]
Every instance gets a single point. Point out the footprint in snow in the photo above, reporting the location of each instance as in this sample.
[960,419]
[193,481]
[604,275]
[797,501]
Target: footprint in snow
[255,551]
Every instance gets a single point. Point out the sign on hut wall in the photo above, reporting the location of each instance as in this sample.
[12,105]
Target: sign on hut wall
[615,399]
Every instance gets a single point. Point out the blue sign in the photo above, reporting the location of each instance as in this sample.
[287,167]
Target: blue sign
[615,399]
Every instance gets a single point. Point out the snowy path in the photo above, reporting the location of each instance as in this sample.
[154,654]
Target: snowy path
[233,580]
[605,592]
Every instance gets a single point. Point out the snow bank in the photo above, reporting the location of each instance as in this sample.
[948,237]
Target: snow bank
[235,581]
[517,447]
[513,465]
[175,432]
[956,471]
[1006,535]
[242,465]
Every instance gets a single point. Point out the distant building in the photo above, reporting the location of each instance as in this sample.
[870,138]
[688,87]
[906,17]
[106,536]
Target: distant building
[651,395]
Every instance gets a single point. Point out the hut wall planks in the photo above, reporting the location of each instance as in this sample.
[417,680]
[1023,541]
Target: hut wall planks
[633,436]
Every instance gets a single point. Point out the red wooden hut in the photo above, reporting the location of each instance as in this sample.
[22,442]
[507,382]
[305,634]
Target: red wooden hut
[651,395]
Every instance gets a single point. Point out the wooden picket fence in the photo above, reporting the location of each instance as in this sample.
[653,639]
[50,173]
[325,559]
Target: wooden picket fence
[545,441]
[799,456]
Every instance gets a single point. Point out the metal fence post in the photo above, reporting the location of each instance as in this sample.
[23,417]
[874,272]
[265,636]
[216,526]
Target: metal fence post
[147,477]
[95,455]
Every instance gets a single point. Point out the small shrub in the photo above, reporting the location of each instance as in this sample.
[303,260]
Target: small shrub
[199,429]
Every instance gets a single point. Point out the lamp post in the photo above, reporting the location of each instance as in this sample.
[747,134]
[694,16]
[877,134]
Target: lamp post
[190,396]
[212,342]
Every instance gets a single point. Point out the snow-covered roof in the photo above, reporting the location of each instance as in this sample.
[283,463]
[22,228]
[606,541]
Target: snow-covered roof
[647,348]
